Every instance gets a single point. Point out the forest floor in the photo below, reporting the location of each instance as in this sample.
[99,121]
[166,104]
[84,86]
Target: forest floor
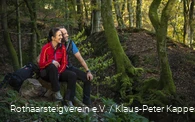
[140,47]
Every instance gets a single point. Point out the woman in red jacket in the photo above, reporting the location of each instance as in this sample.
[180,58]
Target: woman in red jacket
[53,62]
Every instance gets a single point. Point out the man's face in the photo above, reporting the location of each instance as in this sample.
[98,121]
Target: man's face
[65,34]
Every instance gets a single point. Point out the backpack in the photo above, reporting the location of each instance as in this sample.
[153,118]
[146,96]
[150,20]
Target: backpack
[69,47]
[16,78]
[69,51]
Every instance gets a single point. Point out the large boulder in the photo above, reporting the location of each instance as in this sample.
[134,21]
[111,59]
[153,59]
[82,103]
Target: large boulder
[63,88]
[32,88]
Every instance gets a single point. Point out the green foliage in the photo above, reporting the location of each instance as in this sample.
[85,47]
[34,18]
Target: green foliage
[112,115]
[102,63]
[84,47]
[150,94]
[42,42]
[1,77]
[111,80]
[12,98]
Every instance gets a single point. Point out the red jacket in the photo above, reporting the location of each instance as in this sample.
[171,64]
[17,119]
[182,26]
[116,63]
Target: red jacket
[47,56]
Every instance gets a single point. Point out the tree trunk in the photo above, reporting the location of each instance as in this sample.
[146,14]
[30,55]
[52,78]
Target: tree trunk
[123,7]
[119,17]
[86,12]
[67,15]
[80,15]
[19,32]
[160,25]
[186,21]
[96,16]
[130,12]
[35,37]
[139,14]
[191,20]
[6,35]
[122,62]
[73,15]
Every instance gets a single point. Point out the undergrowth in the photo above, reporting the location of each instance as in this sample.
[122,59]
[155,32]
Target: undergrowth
[17,109]
[11,102]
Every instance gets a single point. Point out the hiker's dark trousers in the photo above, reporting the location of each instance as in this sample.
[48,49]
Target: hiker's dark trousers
[52,76]
[80,75]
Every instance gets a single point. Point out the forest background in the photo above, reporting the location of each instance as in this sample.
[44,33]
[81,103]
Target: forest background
[108,25]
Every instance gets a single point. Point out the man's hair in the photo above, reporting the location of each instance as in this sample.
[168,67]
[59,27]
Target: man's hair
[61,26]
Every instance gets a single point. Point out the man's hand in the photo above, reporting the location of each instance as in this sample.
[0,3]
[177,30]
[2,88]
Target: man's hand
[56,63]
[89,76]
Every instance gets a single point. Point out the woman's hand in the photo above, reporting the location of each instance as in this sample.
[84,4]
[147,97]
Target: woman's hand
[56,63]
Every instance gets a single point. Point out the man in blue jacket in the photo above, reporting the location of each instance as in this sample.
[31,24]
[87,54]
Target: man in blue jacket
[86,76]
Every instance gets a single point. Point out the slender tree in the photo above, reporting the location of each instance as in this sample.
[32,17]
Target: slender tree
[130,12]
[6,35]
[160,25]
[191,20]
[80,14]
[188,13]
[122,62]
[67,14]
[19,32]
[73,13]
[186,25]
[118,12]
[96,16]
[123,7]
[139,14]
[35,37]
[86,8]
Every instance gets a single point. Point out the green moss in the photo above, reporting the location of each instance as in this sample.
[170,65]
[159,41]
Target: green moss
[149,94]
[151,83]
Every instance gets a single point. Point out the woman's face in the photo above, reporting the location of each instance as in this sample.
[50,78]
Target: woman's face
[58,37]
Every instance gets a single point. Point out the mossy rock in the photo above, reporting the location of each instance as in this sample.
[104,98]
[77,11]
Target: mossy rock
[63,88]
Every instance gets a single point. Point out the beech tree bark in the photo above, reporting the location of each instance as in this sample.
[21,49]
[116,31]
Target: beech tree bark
[122,62]
[139,14]
[95,16]
[6,35]
[19,33]
[130,13]
[121,23]
[160,25]
[35,37]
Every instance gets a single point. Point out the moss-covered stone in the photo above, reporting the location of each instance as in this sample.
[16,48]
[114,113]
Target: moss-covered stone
[63,88]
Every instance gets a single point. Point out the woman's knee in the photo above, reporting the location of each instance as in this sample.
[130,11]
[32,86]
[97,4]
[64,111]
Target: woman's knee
[52,67]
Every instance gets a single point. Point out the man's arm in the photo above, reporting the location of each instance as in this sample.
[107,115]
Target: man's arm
[84,64]
[81,60]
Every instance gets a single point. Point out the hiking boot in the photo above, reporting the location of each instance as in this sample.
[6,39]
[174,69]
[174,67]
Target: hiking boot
[69,103]
[57,96]
[48,93]
[77,102]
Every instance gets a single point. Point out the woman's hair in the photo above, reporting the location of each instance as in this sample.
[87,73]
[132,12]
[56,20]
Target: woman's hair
[52,32]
